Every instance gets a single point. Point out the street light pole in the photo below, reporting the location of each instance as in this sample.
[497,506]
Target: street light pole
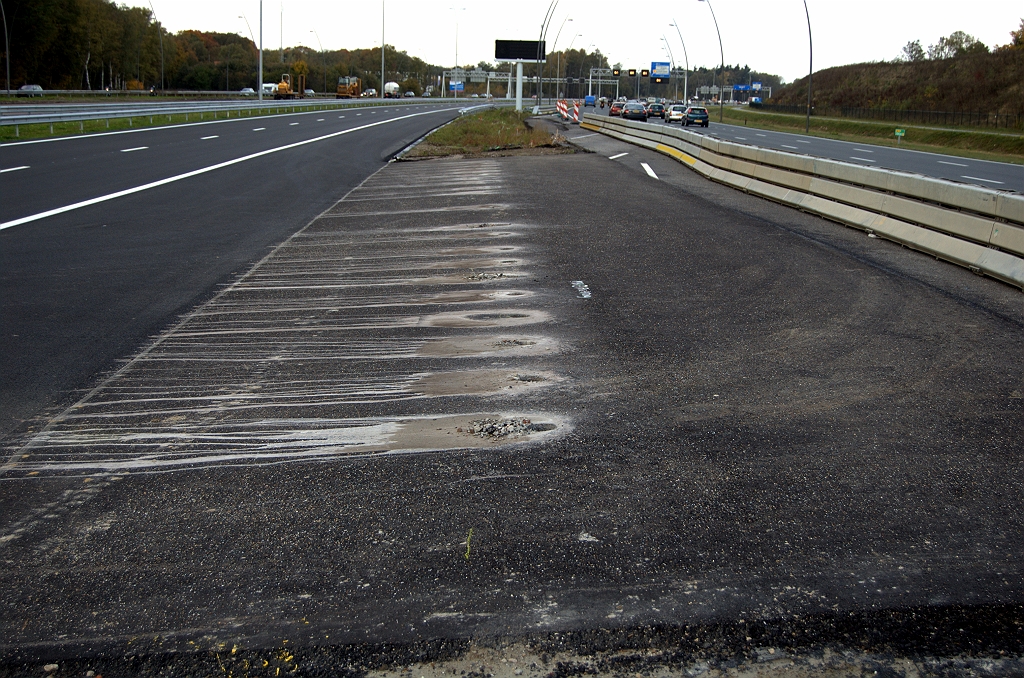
[160,32]
[324,55]
[381,93]
[686,77]
[721,95]
[7,49]
[259,80]
[673,60]
[810,72]
[540,54]
[558,66]
[455,92]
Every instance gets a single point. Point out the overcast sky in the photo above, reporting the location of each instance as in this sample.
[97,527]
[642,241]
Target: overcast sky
[768,35]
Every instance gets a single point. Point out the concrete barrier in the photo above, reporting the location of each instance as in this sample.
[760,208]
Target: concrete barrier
[973,226]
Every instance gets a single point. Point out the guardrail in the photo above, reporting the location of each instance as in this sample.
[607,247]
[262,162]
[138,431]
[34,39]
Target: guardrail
[28,114]
[979,228]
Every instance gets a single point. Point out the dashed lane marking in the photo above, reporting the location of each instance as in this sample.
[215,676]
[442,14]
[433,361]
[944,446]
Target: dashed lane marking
[987,181]
[954,164]
[650,172]
[795,148]
[137,148]
[615,157]
[853,157]
[258,129]
[14,169]
[215,136]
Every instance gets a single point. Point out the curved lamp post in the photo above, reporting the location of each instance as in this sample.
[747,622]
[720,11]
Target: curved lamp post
[721,52]
[160,32]
[558,66]
[810,72]
[686,76]
[324,55]
[668,49]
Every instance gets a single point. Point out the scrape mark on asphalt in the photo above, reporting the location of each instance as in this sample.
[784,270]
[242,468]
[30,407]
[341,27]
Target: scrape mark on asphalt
[336,346]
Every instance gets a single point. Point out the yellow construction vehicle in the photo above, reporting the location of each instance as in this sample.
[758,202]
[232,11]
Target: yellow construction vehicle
[349,87]
[286,90]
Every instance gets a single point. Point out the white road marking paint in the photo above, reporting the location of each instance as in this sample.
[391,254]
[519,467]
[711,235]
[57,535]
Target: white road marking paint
[650,172]
[137,148]
[795,148]
[613,157]
[762,135]
[853,157]
[585,136]
[358,113]
[954,164]
[258,129]
[14,169]
[203,170]
[340,117]
[319,119]
[987,181]
[215,136]
[801,141]
[740,138]
[292,124]
[863,150]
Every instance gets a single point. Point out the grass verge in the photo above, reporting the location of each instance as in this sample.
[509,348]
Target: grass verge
[497,131]
[1001,147]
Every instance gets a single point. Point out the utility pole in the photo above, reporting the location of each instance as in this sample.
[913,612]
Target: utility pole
[810,73]
[259,80]
[381,92]
[7,49]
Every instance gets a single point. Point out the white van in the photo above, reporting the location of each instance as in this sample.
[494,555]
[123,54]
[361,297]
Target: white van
[269,88]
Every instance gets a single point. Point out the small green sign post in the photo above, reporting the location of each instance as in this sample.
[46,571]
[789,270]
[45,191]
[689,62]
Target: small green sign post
[900,133]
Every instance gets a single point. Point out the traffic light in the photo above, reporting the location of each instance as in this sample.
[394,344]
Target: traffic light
[616,72]
[632,72]
[645,72]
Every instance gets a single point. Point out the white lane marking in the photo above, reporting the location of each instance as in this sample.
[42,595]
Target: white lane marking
[853,157]
[215,136]
[137,148]
[319,119]
[863,150]
[793,147]
[801,141]
[762,135]
[361,113]
[613,157]
[987,181]
[258,129]
[292,124]
[585,136]
[340,117]
[14,169]
[954,164]
[650,172]
[740,138]
[204,170]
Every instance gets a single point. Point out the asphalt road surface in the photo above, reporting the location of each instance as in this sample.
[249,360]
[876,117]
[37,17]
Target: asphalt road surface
[84,287]
[555,404]
[995,175]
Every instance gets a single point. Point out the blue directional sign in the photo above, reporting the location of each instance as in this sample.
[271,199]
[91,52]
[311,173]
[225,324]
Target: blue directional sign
[741,88]
[456,86]
[661,71]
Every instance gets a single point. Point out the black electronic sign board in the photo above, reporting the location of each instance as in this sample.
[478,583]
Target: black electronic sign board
[519,50]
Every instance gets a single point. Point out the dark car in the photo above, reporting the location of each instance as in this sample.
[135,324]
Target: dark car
[696,115]
[634,111]
[656,111]
[30,91]
[616,108]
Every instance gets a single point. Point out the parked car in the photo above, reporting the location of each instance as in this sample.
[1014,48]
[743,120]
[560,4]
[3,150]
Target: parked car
[247,91]
[634,111]
[656,110]
[410,93]
[616,108]
[675,113]
[696,115]
[30,91]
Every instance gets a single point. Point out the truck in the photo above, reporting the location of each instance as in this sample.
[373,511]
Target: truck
[291,89]
[392,90]
[349,87]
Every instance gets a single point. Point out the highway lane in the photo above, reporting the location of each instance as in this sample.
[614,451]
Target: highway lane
[64,171]
[83,288]
[994,175]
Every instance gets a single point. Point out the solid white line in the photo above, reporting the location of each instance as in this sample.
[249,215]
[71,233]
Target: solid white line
[863,150]
[650,172]
[258,129]
[988,181]
[215,136]
[613,157]
[14,169]
[853,157]
[793,147]
[954,164]
[202,170]
[137,148]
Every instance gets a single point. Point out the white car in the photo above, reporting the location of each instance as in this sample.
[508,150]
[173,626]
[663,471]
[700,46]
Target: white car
[247,91]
